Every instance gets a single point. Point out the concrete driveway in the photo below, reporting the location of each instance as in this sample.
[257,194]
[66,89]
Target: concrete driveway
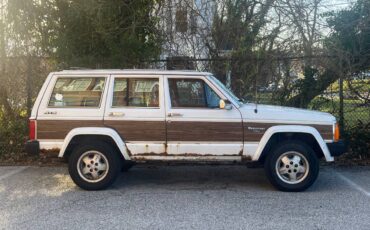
[183,197]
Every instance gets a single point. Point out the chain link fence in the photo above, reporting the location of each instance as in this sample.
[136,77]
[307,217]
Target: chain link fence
[347,99]
[267,82]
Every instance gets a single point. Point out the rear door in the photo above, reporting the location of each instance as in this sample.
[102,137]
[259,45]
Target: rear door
[196,126]
[135,109]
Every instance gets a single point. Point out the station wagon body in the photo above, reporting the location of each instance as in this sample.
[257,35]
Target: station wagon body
[152,115]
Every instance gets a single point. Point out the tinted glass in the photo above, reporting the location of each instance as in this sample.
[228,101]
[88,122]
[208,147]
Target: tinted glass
[192,93]
[77,92]
[213,100]
[136,92]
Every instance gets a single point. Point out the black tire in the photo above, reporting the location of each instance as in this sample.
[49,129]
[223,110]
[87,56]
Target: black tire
[303,149]
[114,162]
[127,165]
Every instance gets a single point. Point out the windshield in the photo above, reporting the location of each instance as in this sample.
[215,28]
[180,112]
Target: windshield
[225,90]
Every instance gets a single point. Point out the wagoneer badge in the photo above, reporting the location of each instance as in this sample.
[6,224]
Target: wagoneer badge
[256,129]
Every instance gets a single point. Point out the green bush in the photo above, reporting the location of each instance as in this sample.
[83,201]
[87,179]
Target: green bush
[13,134]
[358,138]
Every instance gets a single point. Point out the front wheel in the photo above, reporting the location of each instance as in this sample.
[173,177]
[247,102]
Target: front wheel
[292,167]
[94,166]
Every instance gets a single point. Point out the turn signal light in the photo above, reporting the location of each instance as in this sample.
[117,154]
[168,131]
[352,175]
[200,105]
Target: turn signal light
[336,132]
[32,129]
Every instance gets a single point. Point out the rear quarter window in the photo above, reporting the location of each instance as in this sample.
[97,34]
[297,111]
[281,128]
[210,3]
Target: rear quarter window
[77,92]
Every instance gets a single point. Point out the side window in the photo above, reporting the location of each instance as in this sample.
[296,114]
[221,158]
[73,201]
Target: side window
[77,92]
[192,93]
[136,92]
[213,100]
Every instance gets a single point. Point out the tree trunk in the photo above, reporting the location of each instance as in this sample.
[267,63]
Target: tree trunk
[315,88]
[5,103]
[29,86]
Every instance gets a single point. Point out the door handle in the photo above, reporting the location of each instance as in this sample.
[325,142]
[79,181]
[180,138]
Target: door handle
[174,115]
[116,114]
[50,112]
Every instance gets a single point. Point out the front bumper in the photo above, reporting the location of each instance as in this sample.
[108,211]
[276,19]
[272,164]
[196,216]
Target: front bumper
[32,147]
[337,148]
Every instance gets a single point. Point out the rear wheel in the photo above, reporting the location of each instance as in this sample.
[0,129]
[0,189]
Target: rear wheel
[94,166]
[292,167]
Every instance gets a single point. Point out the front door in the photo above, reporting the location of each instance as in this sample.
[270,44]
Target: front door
[196,126]
[135,109]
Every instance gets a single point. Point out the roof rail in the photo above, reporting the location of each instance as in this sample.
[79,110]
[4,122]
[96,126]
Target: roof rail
[78,68]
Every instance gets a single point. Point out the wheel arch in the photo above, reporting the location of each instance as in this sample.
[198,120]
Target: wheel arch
[79,135]
[307,134]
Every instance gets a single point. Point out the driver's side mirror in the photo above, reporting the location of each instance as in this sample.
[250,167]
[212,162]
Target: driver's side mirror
[225,105]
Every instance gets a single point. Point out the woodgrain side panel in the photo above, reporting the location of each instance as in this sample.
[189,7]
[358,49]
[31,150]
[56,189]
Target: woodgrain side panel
[326,131]
[204,131]
[177,130]
[139,130]
[129,130]
[58,129]
[255,131]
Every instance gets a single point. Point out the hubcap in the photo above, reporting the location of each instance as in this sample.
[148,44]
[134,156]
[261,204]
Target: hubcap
[292,167]
[92,166]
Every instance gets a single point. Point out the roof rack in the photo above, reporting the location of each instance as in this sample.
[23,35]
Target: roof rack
[78,68]
[134,71]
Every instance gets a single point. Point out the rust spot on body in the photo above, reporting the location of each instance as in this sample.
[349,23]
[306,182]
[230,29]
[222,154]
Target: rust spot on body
[194,155]
[182,154]
[151,154]
[140,159]
[246,158]
[165,148]
[129,152]
[47,151]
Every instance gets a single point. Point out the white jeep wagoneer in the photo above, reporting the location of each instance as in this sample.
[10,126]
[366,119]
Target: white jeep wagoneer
[101,120]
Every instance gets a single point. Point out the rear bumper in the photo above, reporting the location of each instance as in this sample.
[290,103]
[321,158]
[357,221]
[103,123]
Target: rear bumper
[337,148]
[32,147]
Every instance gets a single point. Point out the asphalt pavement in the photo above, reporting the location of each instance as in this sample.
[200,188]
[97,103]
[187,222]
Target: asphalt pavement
[183,197]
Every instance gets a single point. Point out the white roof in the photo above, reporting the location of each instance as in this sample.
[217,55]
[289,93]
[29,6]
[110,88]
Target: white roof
[133,71]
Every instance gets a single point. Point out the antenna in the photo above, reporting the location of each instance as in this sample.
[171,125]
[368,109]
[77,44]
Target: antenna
[255,85]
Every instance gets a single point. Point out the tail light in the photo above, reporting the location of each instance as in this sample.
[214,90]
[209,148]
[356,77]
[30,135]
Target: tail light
[32,129]
[336,132]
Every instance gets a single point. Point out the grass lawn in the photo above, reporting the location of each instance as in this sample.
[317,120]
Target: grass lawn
[354,109]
